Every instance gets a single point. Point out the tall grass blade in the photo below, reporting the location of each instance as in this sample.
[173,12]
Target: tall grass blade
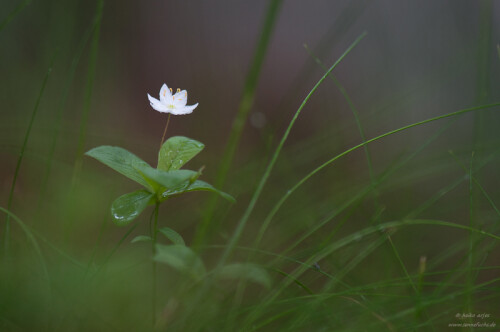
[33,241]
[340,26]
[392,132]
[482,96]
[355,114]
[60,109]
[88,94]
[241,224]
[13,14]
[356,236]
[94,48]
[241,116]
[6,236]
[362,193]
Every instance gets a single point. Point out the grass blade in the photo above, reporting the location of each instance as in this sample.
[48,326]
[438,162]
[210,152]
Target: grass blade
[241,116]
[88,94]
[21,156]
[13,14]
[355,114]
[241,224]
[392,132]
[33,241]
[60,110]
[356,236]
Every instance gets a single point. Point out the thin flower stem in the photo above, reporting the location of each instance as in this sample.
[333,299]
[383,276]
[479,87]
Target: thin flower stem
[153,236]
[165,131]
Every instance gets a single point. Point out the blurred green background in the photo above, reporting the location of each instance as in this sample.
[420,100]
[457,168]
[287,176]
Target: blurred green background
[419,59]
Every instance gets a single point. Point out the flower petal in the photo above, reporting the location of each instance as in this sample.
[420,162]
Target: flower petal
[183,110]
[165,94]
[157,105]
[180,99]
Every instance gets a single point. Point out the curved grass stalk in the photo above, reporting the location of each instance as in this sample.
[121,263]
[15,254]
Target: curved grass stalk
[456,272]
[115,248]
[284,258]
[299,301]
[241,116]
[355,114]
[14,13]
[364,290]
[241,224]
[275,209]
[60,110]
[412,215]
[317,303]
[454,308]
[58,250]
[362,193]
[344,21]
[356,237]
[94,50]
[368,161]
[480,187]
[31,238]
[390,283]
[6,236]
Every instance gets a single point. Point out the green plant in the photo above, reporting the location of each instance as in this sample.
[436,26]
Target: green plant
[161,183]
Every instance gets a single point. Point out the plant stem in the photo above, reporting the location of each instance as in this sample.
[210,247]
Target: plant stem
[153,236]
[165,131]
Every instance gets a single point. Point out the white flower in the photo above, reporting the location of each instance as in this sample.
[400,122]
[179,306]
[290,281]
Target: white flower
[175,104]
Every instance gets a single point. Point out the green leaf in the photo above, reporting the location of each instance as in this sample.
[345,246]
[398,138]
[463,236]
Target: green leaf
[141,238]
[167,180]
[177,151]
[127,207]
[181,258]
[172,235]
[246,271]
[123,162]
[199,185]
